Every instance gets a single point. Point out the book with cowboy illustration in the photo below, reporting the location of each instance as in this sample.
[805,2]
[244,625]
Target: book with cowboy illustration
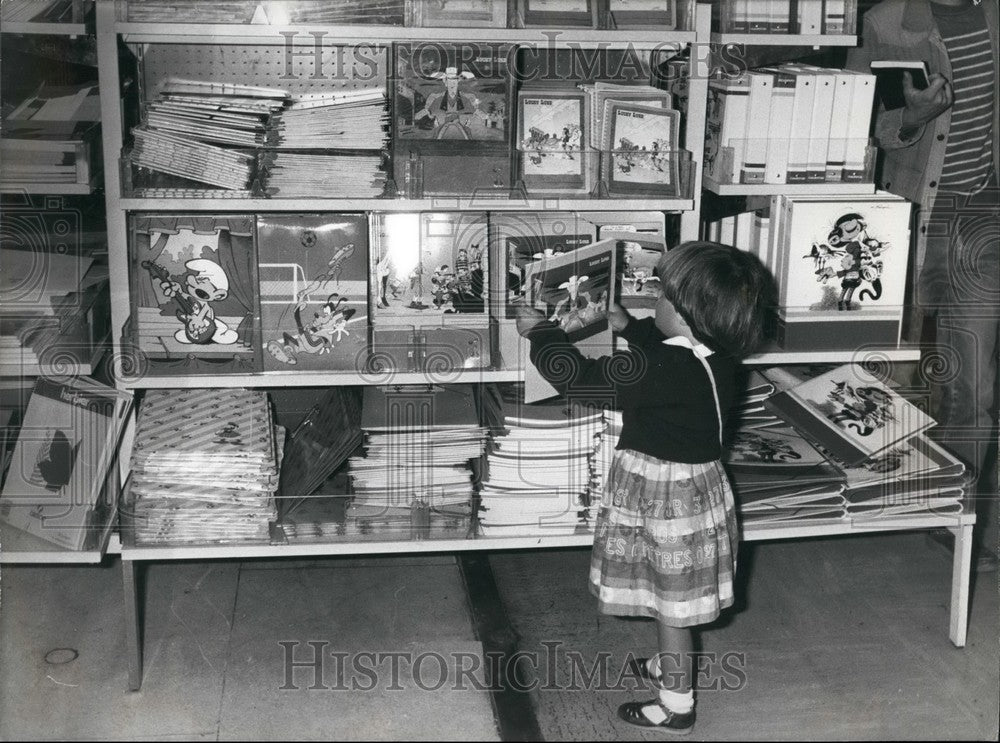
[573,290]
[851,413]
[194,294]
[452,118]
[552,140]
[313,272]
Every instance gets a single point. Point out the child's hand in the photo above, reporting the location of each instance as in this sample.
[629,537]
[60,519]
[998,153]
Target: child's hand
[527,318]
[617,317]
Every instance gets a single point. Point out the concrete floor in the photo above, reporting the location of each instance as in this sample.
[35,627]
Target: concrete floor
[836,638]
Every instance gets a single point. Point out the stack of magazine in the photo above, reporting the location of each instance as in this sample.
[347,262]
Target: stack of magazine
[540,475]
[329,145]
[420,442]
[204,467]
[206,131]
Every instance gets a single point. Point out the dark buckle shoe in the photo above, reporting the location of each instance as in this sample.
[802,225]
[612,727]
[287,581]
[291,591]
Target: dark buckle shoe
[640,667]
[675,724]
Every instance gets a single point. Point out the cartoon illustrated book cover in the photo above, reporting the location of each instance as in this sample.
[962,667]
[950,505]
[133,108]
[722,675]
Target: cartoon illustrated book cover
[844,257]
[313,271]
[552,139]
[574,291]
[851,413]
[65,450]
[640,255]
[641,143]
[428,268]
[194,299]
[520,238]
[452,107]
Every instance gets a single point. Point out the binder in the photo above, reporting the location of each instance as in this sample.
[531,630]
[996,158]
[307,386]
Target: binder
[754,164]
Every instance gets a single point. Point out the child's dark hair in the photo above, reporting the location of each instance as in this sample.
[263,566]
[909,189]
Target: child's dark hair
[724,294]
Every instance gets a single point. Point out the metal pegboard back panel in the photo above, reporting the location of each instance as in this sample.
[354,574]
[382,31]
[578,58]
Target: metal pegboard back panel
[301,69]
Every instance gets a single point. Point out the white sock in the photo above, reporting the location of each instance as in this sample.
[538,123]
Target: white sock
[653,666]
[678,702]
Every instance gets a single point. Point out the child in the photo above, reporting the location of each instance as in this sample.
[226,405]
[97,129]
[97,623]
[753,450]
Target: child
[666,534]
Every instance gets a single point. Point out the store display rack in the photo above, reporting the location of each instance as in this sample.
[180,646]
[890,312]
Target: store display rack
[141,37]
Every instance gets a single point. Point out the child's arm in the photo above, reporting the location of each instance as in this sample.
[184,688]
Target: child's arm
[565,368]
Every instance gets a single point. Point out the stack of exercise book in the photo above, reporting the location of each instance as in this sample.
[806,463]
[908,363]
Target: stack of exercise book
[206,131]
[204,467]
[62,484]
[329,144]
[540,472]
[420,445]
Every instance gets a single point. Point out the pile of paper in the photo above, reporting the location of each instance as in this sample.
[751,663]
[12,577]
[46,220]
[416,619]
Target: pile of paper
[204,467]
[420,443]
[541,469]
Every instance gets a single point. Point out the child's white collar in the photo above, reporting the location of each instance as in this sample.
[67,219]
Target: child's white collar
[679,340]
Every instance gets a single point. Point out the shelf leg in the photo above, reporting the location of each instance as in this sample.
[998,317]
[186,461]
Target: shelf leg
[961,575]
[133,629]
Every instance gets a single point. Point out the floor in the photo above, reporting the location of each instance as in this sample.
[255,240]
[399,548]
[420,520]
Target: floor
[834,639]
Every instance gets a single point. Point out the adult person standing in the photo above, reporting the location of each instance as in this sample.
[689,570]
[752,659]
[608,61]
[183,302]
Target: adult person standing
[941,152]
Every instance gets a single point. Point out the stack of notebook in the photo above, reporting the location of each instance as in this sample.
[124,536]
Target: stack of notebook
[420,445]
[204,467]
[540,472]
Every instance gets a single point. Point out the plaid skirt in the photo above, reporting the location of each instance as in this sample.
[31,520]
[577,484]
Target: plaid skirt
[665,541]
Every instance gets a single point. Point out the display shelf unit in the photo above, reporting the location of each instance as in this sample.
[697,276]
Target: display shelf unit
[111,31]
[18,547]
[553,38]
[45,29]
[432,203]
[812,40]
[55,189]
[788,189]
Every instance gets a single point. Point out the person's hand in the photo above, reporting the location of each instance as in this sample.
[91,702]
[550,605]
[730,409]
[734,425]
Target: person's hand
[927,104]
[617,317]
[527,318]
